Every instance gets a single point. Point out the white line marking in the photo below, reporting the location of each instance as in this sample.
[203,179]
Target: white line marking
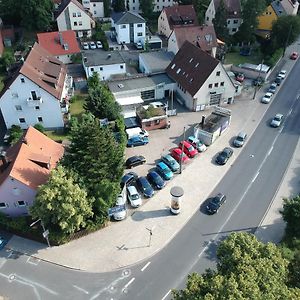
[145,266]
[255,177]
[80,289]
[290,111]
[166,295]
[204,249]
[34,262]
[129,283]
[271,149]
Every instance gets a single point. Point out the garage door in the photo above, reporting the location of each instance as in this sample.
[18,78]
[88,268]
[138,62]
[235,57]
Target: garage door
[147,95]
[215,99]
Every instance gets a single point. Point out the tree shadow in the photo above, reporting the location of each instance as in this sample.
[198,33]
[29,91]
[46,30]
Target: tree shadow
[139,215]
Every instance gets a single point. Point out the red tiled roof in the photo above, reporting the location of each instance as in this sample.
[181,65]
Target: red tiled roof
[46,71]
[201,36]
[51,42]
[191,67]
[31,159]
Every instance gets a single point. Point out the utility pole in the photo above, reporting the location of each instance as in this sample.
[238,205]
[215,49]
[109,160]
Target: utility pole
[181,155]
[150,235]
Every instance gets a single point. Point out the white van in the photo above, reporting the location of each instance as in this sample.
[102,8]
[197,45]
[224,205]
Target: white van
[136,131]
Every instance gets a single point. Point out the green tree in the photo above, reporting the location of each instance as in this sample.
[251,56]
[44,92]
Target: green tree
[62,203]
[6,59]
[200,8]
[100,101]
[147,7]
[246,269]
[220,22]
[106,7]
[291,215]
[294,268]
[118,5]
[39,127]
[15,133]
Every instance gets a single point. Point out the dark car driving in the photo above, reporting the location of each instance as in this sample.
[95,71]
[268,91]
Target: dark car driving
[156,180]
[134,161]
[215,203]
[223,156]
[145,187]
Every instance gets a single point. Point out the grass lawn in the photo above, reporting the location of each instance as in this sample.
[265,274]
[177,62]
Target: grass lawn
[76,108]
[57,135]
[106,26]
[235,58]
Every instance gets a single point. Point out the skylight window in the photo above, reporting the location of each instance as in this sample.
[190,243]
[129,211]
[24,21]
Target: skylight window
[191,80]
[197,64]
[178,71]
[191,60]
[173,66]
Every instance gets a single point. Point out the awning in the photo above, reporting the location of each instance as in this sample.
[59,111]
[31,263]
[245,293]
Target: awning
[129,100]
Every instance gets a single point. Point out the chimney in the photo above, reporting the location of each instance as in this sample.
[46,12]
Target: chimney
[203,121]
[61,40]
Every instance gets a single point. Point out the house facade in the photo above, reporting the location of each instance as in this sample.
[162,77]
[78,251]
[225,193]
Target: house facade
[23,168]
[61,45]
[201,80]
[234,14]
[95,7]
[203,37]
[158,5]
[71,15]
[176,16]
[38,92]
[128,27]
[106,64]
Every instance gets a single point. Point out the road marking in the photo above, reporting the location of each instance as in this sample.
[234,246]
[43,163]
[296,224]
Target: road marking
[128,283]
[80,289]
[290,111]
[145,266]
[204,249]
[271,149]
[166,295]
[33,260]
[255,177]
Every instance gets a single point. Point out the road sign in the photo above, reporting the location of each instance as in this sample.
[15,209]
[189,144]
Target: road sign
[115,209]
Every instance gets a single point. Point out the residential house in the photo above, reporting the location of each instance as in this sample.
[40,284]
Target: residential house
[158,5]
[275,10]
[71,15]
[201,79]
[56,3]
[154,62]
[23,168]
[203,37]
[234,14]
[176,16]
[95,7]
[128,27]
[106,64]
[1,39]
[62,45]
[37,93]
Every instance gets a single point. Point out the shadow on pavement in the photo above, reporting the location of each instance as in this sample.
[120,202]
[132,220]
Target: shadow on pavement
[142,215]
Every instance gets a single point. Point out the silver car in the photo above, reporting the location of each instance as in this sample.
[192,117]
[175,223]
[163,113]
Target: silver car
[240,139]
[277,120]
[267,98]
[133,196]
[121,203]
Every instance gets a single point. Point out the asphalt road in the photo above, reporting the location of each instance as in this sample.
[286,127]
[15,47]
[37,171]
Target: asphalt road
[250,185]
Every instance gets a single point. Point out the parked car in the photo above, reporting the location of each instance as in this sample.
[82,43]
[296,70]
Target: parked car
[282,74]
[240,77]
[93,45]
[133,196]
[99,45]
[266,98]
[294,55]
[121,203]
[177,154]
[145,187]
[139,46]
[134,161]
[215,203]
[164,171]
[156,180]
[188,149]
[170,162]
[272,88]
[3,242]
[85,46]
[277,120]
[224,155]
[278,80]
[137,141]
[240,139]
[197,144]
[128,179]
[136,131]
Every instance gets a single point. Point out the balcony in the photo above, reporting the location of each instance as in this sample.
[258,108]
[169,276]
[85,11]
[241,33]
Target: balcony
[34,102]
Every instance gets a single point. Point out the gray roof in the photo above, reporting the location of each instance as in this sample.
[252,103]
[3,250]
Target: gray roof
[138,83]
[278,8]
[127,17]
[101,58]
[157,61]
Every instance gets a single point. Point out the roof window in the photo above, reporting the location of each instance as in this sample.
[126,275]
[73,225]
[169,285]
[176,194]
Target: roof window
[178,71]
[173,66]
[191,60]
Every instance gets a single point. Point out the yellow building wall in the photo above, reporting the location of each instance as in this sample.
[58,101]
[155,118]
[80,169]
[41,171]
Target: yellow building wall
[266,20]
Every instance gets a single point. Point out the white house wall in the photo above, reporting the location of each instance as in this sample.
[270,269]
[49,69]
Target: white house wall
[163,25]
[14,106]
[139,33]
[66,59]
[107,70]
[122,33]
[233,25]
[172,43]
[158,5]
[210,13]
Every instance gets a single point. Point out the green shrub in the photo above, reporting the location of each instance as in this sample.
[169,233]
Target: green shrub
[15,133]
[39,127]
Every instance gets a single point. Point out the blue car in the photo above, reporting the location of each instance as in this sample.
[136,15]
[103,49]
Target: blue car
[3,242]
[137,141]
[164,171]
[171,162]
[155,179]
[145,187]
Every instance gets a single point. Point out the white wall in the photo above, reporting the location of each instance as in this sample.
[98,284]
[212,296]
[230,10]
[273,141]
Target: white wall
[139,33]
[107,70]
[233,25]
[210,13]
[122,33]
[172,43]
[96,8]
[18,93]
[66,59]
[134,5]
[163,25]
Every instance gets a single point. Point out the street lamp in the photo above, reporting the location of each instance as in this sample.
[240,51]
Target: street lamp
[45,232]
[181,155]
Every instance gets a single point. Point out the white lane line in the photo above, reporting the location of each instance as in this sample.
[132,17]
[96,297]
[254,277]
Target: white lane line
[290,111]
[271,149]
[166,295]
[80,289]
[145,266]
[204,249]
[129,283]
[255,177]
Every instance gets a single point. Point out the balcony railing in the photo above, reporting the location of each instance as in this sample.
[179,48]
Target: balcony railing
[33,102]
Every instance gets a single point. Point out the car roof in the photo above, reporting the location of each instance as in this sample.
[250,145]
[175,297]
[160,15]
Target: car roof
[132,189]
[279,115]
[269,94]
[168,157]
[177,150]
[185,143]
[227,149]
[153,173]
[120,200]
[162,165]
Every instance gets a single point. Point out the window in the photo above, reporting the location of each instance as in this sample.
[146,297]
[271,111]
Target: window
[74,15]
[37,107]
[95,12]
[22,120]
[133,1]
[101,68]
[140,34]
[79,14]
[123,26]
[228,22]
[173,66]
[18,107]
[22,80]
[133,8]
[121,67]
[2,205]
[80,23]
[191,60]
[235,21]
[178,71]
[207,18]
[218,73]
[157,6]
[210,86]
[139,25]
[94,5]
[216,84]
[222,83]
[156,122]
[40,119]
[21,203]
[92,69]
[233,29]
[75,23]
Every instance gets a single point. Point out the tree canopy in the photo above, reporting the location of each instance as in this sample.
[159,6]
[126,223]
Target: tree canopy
[220,22]
[246,269]
[200,8]
[147,7]
[62,203]
[118,5]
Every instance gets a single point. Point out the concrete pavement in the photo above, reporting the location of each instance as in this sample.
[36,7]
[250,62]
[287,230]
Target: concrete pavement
[127,242]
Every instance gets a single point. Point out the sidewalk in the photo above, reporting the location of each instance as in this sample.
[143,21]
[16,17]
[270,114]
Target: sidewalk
[127,242]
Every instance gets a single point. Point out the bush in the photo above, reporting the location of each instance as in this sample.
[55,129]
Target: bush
[39,127]
[272,60]
[15,133]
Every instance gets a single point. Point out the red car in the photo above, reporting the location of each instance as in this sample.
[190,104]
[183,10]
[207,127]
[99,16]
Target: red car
[188,149]
[177,153]
[294,56]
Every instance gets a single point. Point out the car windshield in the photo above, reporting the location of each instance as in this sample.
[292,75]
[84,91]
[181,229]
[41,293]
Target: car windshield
[267,96]
[277,118]
[239,138]
[134,196]
[191,148]
[224,154]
